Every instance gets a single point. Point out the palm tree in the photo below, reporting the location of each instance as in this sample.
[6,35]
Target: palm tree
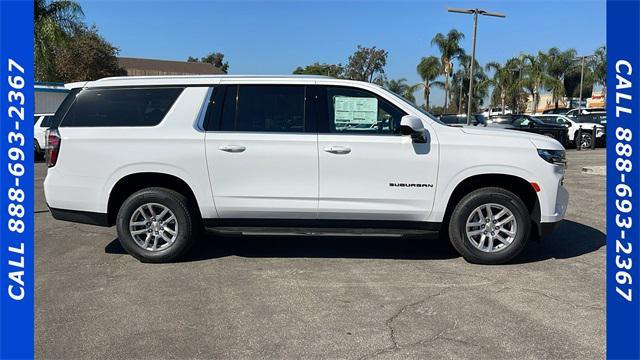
[429,69]
[559,63]
[535,76]
[401,88]
[53,22]
[599,69]
[516,94]
[460,84]
[449,46]
[500,82]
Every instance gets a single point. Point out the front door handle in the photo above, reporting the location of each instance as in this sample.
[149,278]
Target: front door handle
[337,149]
[232,148]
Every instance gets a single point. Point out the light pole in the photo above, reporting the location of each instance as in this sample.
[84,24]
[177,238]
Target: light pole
[581,80]
[475,13]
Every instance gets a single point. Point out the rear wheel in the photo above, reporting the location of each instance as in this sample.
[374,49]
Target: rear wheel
[156,225]
[584,141]
[489,226]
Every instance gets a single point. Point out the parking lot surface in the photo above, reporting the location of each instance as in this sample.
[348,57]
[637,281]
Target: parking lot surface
[325,297]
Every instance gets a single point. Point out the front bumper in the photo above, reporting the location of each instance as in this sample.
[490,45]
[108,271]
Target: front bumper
[545,229]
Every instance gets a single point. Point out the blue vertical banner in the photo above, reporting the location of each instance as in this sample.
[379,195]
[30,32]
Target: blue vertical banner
[623,182]
[16,180]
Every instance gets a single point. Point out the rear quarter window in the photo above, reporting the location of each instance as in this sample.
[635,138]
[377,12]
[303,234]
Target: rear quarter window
[121,107]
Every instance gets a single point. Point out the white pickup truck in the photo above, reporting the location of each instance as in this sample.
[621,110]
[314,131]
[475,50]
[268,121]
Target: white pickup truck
[161,157]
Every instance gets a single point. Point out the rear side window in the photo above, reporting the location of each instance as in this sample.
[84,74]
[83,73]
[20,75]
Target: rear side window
[46,122]
[264,108]
[121,107]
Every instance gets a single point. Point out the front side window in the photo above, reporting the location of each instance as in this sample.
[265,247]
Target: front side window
[264,108]
[120,107]
[357,111]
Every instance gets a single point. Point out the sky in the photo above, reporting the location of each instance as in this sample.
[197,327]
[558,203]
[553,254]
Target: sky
[275,37]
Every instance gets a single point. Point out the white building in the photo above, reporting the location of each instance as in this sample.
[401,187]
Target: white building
[48,96]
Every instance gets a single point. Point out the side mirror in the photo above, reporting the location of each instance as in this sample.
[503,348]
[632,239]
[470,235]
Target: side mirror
[412,125]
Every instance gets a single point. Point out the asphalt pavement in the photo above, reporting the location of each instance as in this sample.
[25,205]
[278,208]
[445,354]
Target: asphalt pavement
[263,297]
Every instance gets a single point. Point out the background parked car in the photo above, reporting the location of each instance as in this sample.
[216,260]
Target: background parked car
[584,111]
[40,126]
[559,111]
[573,125]
[495,111]
[461,119]
[530,124]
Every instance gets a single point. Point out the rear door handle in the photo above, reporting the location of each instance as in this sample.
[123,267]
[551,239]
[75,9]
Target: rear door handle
[337,149]
[232,148]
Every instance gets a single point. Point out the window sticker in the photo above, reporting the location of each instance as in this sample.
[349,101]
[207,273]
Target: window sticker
[354,112]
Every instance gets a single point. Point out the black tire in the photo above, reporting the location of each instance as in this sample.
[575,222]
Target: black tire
[185,217]
[586,138]
[38,153]
[462,211]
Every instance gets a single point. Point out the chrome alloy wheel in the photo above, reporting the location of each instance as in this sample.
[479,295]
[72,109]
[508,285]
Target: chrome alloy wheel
[153,227]
[491,227]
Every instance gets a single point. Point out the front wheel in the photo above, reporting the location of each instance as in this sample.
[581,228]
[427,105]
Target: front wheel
[156,225]
[489,226]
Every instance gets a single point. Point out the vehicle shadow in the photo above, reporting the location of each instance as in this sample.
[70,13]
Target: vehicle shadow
[570,240]
[213,245]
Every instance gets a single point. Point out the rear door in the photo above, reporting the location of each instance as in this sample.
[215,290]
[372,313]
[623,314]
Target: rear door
[368,171]
[262,153]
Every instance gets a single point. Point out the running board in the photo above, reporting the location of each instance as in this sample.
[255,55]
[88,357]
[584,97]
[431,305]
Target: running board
[286,231]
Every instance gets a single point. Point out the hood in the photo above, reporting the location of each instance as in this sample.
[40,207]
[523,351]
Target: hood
[539,141]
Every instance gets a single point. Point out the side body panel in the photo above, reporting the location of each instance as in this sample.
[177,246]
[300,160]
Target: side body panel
[93,159]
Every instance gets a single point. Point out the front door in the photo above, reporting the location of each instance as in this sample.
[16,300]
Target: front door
[262,153]
[368,170]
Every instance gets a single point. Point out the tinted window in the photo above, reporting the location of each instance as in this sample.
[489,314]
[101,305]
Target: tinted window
[361,112]
[64,107]
[453,119]
[46,122]
[121,107]
[264,108]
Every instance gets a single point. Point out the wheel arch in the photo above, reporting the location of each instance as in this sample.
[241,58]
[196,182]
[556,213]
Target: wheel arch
[516,184]
[131,183]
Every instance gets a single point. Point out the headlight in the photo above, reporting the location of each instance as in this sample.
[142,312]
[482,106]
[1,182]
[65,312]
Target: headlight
[599,132]
[556,157]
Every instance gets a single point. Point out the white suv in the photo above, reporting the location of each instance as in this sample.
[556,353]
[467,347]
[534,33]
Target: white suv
[40,125]
[574,124]
[160,157]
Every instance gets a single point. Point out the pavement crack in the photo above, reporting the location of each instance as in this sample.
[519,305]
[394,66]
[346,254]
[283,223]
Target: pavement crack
[392,331]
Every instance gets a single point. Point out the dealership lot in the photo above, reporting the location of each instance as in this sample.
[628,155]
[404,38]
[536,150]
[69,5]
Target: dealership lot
[325,297]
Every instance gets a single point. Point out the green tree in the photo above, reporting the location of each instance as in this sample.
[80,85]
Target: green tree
[401,88]
[367,64]
[500,82]
[449,46]
[215,58]
[598,65]
[460,85]
[53,22]
[535,74]
[429,69]
[87,56]
[333,70]
[559,63]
